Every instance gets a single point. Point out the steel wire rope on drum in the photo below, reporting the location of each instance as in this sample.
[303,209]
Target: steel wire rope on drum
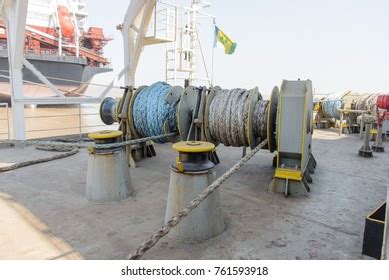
[228,116]
[152,110]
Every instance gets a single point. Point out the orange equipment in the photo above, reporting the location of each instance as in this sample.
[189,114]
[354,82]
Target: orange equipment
[65,22]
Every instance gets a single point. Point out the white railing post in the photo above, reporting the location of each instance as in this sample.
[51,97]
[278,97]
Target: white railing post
[15,13]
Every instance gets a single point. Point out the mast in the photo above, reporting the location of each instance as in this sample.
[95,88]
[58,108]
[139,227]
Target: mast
[185,53]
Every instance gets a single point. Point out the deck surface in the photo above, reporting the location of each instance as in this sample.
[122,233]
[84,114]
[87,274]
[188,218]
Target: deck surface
[260,225]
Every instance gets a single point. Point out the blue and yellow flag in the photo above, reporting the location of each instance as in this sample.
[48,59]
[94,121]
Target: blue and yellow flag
[222,39]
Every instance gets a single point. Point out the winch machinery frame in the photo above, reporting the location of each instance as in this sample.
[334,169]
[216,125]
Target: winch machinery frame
[287,132]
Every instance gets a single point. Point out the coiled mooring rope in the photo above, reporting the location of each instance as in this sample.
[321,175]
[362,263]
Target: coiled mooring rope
[331,106]
[152,110]
[228,117]
[64,152]
[260,119]
[368,102]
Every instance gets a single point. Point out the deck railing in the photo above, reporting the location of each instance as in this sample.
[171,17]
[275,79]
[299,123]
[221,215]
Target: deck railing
[54,122]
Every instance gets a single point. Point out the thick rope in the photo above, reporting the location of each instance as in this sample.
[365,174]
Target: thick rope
[65,152]
[228,116]
[260,119]
[331,105]
[151,110]
[84,145]
[368,102]
[176,219]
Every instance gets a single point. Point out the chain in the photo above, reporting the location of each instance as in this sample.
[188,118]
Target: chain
[176,219]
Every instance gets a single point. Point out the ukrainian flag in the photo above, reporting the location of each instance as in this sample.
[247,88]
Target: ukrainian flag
[225,41]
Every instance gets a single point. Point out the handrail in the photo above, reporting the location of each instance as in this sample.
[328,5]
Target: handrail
[76,124]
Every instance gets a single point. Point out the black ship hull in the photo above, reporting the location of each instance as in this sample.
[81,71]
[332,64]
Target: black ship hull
[70,74]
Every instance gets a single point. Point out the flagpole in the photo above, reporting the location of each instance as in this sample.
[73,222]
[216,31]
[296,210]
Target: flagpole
[213,54]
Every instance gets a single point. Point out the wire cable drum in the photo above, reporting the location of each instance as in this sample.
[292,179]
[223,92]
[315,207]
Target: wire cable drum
[331,105]
[155,111]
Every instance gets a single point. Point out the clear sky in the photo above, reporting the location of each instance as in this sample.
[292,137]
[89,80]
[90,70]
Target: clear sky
[340,45]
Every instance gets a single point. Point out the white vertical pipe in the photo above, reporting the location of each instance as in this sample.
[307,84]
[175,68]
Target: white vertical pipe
[15,13]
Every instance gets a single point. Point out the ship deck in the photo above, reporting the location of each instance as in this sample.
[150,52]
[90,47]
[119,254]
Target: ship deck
[45,215]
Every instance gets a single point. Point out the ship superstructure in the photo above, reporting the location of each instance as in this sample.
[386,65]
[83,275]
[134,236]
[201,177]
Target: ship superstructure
[61,45]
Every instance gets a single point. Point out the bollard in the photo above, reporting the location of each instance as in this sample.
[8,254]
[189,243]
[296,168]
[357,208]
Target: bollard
[378,146]
[190,175]
[108,176]
[365,150]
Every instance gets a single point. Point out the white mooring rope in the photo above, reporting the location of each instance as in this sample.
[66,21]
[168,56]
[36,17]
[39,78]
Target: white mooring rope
[228,116]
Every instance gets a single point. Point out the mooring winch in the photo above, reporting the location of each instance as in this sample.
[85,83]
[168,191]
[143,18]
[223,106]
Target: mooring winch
[144,112]
[238,117]
[295,161]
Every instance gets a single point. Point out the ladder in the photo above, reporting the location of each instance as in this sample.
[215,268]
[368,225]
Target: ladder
[183,54]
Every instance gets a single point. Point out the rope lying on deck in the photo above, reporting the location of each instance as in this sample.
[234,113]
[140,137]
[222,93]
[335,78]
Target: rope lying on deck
[152,109]
[176,219]
[68,148]
[84,145]
[65,152]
